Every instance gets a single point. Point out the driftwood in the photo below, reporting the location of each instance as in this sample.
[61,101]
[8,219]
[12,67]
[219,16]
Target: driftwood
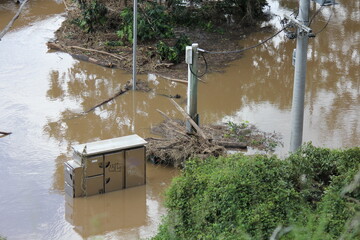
[177,80]
[197,128]
[59,47]
[175,127]
[4,134]
[163,114]
[92,60]
[98,51]
[173,79]
[65,4]
[7,28]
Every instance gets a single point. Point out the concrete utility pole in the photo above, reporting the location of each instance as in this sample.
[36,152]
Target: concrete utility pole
[191,60]
[297,112]
[134,44]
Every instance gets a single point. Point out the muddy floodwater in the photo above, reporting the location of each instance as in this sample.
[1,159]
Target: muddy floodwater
[42,94]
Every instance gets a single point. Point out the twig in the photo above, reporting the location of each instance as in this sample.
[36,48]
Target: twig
[173,79]
[7,28]
[155,139]
[98,51]
[197,128]
[177,80]
[163,114]
[66,7]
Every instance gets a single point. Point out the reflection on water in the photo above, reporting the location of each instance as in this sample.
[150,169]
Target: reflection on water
[106,213]
[258,87]
[43,95]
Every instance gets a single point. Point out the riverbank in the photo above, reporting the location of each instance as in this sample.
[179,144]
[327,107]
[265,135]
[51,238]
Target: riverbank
[102,46]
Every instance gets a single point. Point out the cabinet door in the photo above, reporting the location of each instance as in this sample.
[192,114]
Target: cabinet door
[114,171]
[135,167]
[94,185]
[94,166]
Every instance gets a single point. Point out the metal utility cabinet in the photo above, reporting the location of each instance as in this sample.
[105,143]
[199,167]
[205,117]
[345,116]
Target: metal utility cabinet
[105,166]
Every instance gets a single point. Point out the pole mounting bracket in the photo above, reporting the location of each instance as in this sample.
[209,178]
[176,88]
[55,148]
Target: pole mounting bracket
[298,24]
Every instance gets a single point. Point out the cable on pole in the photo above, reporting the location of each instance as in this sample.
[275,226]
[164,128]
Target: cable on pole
[327,22]
[206,67]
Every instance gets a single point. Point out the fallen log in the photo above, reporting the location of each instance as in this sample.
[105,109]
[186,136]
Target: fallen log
[55,46]
[7,28]
[92,60]
[4,134]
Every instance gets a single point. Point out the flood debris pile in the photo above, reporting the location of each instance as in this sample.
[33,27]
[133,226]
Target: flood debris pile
[176,145]
[243,135]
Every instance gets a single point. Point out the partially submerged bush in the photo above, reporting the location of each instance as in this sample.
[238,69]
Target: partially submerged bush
[242,197]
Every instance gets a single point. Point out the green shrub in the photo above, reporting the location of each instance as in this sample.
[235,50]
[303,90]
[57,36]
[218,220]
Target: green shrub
[173,54]
[93,14]
[242,197]
[207,13]
[153,23]
[228,196]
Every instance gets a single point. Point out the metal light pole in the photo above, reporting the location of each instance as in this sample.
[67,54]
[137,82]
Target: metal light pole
[134,44]
[297,112]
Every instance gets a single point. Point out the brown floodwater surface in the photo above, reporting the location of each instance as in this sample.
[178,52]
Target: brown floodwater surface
[43,94]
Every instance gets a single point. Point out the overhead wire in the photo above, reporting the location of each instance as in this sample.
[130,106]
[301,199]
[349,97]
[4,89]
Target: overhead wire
[315,14]
[244,49]
[327,22]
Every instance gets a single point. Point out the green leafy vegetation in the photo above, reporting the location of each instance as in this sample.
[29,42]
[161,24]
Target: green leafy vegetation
[173,54]
[207,14]
[93,14]
[312,194]
[153,23]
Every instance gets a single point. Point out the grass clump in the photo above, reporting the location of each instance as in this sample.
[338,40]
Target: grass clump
[258,197]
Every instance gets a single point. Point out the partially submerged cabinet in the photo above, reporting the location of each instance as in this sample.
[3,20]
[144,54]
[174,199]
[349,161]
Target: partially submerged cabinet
[106,166]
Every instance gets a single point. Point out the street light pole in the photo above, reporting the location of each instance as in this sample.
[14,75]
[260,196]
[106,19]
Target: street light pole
[134,44]
[297,112]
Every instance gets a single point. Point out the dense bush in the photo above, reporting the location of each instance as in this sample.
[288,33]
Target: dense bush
[93,14]
[173,54]
[153,23]
[242,197]
[204,12]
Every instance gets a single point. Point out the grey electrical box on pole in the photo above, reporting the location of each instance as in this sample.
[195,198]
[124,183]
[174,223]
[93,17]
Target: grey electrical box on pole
[134,45]
[297,111]
[191,59]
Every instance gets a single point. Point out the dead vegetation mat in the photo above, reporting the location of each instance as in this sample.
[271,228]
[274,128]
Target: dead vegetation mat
[176,145]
